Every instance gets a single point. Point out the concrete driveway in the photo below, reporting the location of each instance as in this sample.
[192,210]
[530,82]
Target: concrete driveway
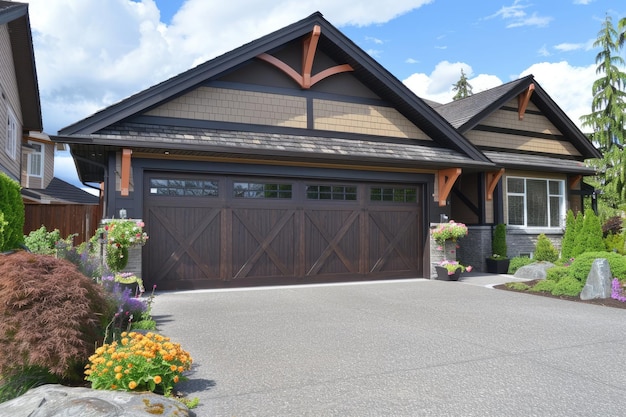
[408,348]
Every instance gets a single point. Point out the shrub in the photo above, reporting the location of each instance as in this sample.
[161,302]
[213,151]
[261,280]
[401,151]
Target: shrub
[569,237]
[556,273]
[85,260]
[517,286]
[498,244]
[50,314]
[614,243]
[582,265]
[568,286]
[41,241]
[12,208]
[544,250]
[579,244]
[592,231]
[22,380]
[138,363]
[518,262]
[544,285]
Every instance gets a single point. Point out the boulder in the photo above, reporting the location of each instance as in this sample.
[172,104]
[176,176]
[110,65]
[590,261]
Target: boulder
[536,270]
[61,401]
[599,281]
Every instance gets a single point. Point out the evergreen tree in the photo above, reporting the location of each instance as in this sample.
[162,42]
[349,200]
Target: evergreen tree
[569,237]
[608,108]
[579,239]
[592,232]
[462,87]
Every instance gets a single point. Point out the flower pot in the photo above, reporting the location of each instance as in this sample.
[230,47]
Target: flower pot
[497,266]
[444,275]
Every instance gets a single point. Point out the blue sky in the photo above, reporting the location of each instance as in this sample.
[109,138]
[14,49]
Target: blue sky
[93,53]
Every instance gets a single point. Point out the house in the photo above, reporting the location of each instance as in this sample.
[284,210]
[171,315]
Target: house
[26,153]
[297,158]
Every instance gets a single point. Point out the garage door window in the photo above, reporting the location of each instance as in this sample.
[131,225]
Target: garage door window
[180,187]
[261,190]
[395,195]
[331,192]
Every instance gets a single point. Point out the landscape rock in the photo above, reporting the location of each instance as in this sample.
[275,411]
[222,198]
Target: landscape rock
[536,270]
[61,401]
[598,281]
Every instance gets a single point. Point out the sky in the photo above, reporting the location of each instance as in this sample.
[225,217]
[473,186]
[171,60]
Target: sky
[91,54]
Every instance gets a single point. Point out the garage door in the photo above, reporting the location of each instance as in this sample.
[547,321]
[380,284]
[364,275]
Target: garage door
[222,231]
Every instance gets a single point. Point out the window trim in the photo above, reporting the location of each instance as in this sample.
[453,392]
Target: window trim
[562,208]
[10,146]
[29,163]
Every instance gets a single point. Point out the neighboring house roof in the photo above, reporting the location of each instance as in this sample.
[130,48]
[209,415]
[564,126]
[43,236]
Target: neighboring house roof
[60,192]
[331,41]
[16,16]
[467,113]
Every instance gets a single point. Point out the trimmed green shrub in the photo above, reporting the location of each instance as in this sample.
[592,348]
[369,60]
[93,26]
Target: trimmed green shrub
[498,244]
[544,250]
[569,237]
[568,286]
[582,265]
[592,232]
[3,223]
[41,241]
[556,273]
[614,243]
[518,262]
[518,286]
[12,207]
[579,244]
[544,285]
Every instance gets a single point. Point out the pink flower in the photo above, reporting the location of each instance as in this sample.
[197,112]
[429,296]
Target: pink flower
[468,268]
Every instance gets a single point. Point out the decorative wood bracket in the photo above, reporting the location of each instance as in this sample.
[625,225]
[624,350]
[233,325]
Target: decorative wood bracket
[574,180]
[523,99]
[125,180]
[309,48]
[446,179]
[492,179]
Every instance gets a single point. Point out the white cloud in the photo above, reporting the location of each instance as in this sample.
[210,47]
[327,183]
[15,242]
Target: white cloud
[543,51]
[411,61]
[518,16]
[569,86]
[437,86]
[374,40]
[568,47]
[93,53]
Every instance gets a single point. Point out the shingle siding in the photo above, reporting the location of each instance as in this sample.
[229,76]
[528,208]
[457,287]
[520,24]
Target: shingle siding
[8,99]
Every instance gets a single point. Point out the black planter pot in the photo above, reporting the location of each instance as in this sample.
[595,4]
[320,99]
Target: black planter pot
[443,275]
[497,266]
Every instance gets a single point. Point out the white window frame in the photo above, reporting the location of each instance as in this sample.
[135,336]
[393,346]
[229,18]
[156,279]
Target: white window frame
[41,155]
[562,203]
[10,146]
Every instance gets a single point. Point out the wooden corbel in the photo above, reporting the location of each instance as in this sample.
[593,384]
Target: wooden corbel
[446,179]
[125,177]
[492,179]
[574,180]
[523,99]
[309,48]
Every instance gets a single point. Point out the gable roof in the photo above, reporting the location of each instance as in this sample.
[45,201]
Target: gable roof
[15,15]
[59,191]
[466,113]
[332,41]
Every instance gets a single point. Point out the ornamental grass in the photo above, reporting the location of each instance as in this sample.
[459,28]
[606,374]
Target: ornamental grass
[138,362]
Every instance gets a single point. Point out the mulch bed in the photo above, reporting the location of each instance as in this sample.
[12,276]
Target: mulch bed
[607,302]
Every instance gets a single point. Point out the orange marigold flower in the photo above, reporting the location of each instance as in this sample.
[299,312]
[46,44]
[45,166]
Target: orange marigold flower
[118,375]
[176,379]
[173,368]
[110,363]
[157,379]
[113,386]
[181,369]
[132,385]
[124,341]
[118,368]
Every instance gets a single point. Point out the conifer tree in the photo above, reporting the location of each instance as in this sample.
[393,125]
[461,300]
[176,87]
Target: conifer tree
[462,87]
[592,233]
[579,244]
[569,237]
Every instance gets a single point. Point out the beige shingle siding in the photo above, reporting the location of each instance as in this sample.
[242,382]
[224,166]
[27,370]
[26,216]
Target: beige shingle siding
[509,119]
[521,143]
[236,106]
[8,98]
[48,164]
[364,119]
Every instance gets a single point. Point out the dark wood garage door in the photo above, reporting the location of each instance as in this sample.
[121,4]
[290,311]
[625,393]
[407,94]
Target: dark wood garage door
[211,232]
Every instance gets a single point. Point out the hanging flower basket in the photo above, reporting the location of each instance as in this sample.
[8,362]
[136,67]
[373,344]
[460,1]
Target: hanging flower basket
[448,231]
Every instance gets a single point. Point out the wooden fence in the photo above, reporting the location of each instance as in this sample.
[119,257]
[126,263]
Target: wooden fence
[68,218]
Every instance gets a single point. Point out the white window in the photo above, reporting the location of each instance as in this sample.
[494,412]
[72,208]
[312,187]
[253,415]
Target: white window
[11,144]
[535,202]
[35,159]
